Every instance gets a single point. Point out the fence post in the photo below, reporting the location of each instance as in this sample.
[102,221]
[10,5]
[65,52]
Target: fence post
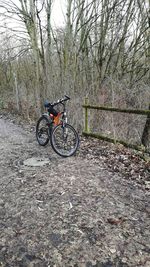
[86,128]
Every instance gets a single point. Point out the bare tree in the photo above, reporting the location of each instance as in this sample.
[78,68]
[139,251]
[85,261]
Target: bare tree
[29,12]
[103,48]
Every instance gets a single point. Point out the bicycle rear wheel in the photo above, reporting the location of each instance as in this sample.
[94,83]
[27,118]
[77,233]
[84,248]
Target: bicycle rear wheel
[42,131]
[64,140]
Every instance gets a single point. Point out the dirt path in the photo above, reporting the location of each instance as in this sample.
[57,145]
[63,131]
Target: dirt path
[71,213]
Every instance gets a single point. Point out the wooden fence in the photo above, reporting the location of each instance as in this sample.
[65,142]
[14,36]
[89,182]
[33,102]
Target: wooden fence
[87,132]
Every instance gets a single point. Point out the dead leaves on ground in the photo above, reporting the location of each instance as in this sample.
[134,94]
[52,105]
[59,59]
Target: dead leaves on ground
[130,164]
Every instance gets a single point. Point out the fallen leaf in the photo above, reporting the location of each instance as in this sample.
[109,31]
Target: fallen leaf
[115,221]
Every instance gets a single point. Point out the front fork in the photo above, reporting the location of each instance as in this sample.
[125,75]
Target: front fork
[65,129]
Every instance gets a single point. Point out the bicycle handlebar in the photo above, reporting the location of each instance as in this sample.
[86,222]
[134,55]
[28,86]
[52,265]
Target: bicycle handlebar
[60,100]
[47,104]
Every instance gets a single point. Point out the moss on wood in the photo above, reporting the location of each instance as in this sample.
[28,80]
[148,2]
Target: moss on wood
[132,111]
[112,140]
[86,115]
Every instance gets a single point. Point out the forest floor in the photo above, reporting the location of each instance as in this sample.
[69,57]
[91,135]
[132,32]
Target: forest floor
[89,210]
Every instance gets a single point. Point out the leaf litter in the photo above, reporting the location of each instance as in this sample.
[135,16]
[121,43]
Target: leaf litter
[88,210]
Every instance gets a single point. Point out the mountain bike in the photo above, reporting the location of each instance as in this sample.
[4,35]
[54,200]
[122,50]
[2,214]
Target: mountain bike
[53,126]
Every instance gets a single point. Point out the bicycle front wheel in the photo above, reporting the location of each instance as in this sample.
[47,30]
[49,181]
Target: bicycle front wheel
[64,140]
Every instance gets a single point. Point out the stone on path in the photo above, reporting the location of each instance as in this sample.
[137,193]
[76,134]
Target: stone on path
[36,162]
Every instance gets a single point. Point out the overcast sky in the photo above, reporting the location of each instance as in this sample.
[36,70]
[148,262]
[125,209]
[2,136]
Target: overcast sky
[58,12]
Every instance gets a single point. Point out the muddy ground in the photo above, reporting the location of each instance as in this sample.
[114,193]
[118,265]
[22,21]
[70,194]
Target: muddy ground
[88,210]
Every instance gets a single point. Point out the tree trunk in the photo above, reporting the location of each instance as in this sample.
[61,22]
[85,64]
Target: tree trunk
[16,89]
[146,132]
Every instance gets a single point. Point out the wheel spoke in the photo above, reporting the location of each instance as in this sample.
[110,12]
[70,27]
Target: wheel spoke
[64,140]
[42,130]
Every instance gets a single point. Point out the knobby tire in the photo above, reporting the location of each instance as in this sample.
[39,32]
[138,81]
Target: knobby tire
[64,140]
[43,130]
